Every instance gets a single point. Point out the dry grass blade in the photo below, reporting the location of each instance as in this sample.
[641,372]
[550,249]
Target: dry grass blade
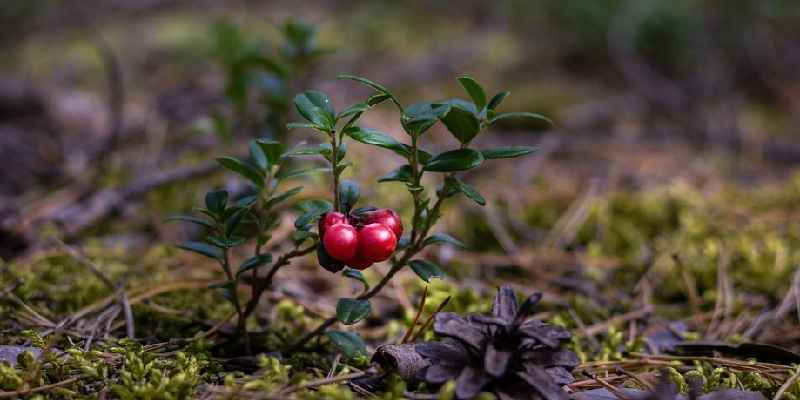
[319,382]
[601,327]
[786,385]
[429,321]
[611,388]
[413,325]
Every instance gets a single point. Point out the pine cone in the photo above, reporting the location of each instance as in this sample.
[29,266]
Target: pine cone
[508,353]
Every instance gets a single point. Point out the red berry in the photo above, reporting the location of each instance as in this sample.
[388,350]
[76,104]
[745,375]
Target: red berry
[376,242]
[358,262]
[341,241]
[330,219]
[387,217]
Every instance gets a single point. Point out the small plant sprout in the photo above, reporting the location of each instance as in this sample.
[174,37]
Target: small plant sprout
[249,218]
[357,237]
[256,72]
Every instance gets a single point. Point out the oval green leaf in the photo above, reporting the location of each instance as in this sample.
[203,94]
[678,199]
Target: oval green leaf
[462,121]
[245,170]
[454,160]
[349,343]
[530,115]
[426,270]
[443,238]
[350,311]
[474,89]
[203,248]
[316,108]
[507,152]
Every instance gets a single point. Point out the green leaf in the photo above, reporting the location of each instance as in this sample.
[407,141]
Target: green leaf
[302,125]
[497,99]
[203,248]
[194,220]
[225,242]
[376,86]
[253,263]
[453,185]
[232,222]
[471,193]
[349,192]
[402,174]
[474,90]
[316,108]
[286,174]
[272,150]
[426,270]
[307,151]
[350,311]
[246,201]
[315,205]
[349,343]
[274,200]
[403,242]
[366,81]
[376,138]
[311,209]
[377,98]
[443,238]
[258,156]
[327,261]
[462,121]
[353,109]
[507,152]
[419,117]
[245,170]
[357,275]
[216,201]
[454,160]
[530,115]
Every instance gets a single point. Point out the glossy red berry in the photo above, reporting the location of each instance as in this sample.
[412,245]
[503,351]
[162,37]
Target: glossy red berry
[330,219]
[341,241]
[358,262]
[376,242]
[387,217]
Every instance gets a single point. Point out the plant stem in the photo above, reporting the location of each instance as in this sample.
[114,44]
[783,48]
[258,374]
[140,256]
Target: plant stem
[241,322]
[335,170]
[417,176]
[260,285]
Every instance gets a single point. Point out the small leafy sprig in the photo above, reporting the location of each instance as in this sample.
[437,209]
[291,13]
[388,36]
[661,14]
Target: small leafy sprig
[232,223]
[463,119]
[254,70]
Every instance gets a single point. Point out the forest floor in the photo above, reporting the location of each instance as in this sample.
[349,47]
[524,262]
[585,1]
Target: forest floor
[659,255]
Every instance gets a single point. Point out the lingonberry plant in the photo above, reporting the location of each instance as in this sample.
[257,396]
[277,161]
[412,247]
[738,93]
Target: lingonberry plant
[359,237]
[253,71]
[249,218]
[347,238]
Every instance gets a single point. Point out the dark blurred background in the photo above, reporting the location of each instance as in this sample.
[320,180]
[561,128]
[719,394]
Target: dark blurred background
[103,101]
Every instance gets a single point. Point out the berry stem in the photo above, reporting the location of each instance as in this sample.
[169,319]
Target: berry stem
[335,170]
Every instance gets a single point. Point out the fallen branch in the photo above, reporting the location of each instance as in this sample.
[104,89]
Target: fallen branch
[77,218]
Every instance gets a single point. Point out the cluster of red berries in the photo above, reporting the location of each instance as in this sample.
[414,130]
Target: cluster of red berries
[360,240]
